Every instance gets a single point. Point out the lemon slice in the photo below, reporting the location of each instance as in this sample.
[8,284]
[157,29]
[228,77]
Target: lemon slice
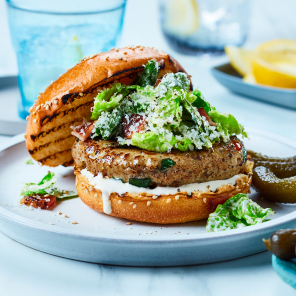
[275,63]
[181,17]
[249,78]
[240,59]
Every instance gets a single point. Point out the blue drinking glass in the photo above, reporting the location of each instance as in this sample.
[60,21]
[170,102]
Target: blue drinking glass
[51,36]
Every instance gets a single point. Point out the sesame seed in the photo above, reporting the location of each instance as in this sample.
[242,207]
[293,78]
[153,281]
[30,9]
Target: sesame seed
[86,190]
[128,223]
[154,196]
[46,195]
[134,206]
[237,187]
[177,197]
[112,48]
[120,201]
[95,195]
[34,113]
[81,94]
[120,58]
[38,107]
[46,107]
[131,203]
[65,216]
[148,203]
[60,213]
[27,117]
[169,200]
[74,222]
[35,120]
[107,57]
[30,110]
[125,52]
[204,200]
[109,201]
[100,52]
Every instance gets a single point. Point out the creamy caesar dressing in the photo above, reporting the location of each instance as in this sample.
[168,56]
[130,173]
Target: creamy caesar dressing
[107,186]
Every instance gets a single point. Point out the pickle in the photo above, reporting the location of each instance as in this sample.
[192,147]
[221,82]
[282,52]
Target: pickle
[273,188]
[280,169]
[260,157]
[282,244]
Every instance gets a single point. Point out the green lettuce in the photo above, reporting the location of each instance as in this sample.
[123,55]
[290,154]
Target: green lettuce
[238,211]
[227,123]
[175,81]
[149,75]
[108,123]
[110,98]
[45,186]
[200,101]
[153,142]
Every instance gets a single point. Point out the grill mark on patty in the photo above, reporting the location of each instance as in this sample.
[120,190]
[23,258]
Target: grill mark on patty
[64,113]
[47,144]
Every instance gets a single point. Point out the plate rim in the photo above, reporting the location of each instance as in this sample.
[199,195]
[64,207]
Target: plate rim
[204,237]
[279,90]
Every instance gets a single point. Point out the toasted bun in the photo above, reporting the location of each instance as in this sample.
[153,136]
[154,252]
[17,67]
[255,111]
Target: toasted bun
[67,100]
[166,209]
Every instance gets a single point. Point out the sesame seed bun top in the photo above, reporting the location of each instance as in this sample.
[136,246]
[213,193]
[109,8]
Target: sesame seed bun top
[90,73]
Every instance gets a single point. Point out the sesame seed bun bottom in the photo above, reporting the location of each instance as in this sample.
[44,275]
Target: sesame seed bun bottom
[166,209]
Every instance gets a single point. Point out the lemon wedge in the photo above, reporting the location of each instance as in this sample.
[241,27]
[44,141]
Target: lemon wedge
[240,59]
[249,78]
[182,17]
[274,63]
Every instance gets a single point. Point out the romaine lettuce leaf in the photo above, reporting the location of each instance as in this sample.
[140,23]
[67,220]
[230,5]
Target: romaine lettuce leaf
[108,123]
[227,123]
[168,111]
[110,98]
[200,101]
[149,75]
[238,211]
[175,80]
[106,100]
[40,188]
[153,142]
[45,186]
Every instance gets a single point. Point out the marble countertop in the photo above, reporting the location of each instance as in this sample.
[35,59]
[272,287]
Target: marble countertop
[24,271]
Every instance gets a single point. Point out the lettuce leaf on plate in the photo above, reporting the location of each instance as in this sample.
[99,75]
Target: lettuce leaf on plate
[238,211]
[45,186]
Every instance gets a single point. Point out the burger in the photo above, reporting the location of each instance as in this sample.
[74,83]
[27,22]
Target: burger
[145,146]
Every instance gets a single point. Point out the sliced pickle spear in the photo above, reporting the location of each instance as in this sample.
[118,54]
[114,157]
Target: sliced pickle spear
[273,188]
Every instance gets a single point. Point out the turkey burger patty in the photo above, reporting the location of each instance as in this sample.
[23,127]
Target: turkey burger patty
[176,168]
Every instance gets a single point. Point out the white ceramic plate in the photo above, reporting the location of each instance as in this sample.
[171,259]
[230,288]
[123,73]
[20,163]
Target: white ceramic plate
[104,239]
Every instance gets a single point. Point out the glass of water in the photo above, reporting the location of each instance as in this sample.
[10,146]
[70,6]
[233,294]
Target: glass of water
[51,36]
[204,26]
